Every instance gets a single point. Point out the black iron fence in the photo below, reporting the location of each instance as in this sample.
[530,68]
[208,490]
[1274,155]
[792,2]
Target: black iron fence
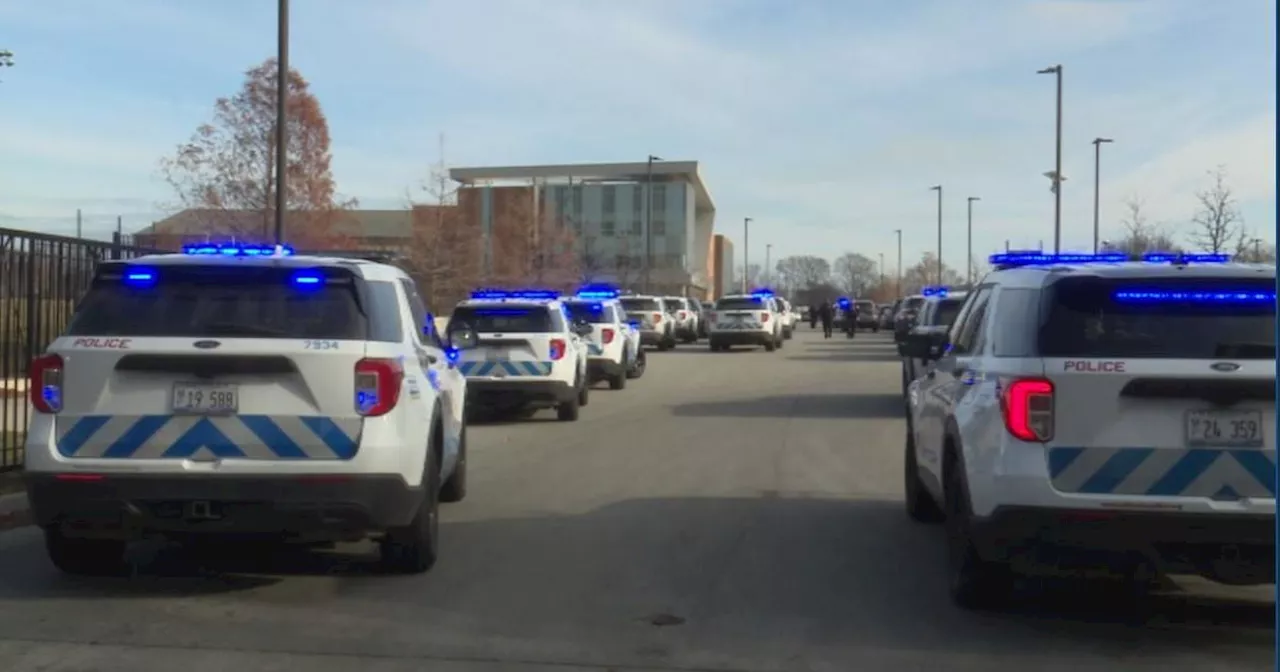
[41,279]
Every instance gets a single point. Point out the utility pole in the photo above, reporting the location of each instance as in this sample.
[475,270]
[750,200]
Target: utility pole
[880,286]
[648,222]
[1057,161]
[968,269]
[938,188]
[1097,181]
[282,119]
[898,282]
[79,224]
[746,232]
[768,253]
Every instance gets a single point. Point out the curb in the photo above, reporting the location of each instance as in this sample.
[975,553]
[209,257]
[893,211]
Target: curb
[13,511]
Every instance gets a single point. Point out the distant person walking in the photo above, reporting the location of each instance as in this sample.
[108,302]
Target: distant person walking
[813,316]
[827,314]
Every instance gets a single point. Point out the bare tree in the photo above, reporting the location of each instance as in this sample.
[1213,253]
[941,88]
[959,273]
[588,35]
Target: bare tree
[1218,219]
[1249,248]
[855,273]
[1140,234]
[804,270]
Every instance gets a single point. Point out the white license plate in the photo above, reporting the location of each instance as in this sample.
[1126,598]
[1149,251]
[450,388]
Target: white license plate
[1224,429]
[491,356]
[205,399]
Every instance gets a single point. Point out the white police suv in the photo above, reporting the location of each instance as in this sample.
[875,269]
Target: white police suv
[235,390]
[651,316]
[613,346]
[745,319]
[529,353]
[1088,413]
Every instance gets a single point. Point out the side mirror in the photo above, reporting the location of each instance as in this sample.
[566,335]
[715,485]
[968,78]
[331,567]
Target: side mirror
[462,338]
[582,327]
[924,345]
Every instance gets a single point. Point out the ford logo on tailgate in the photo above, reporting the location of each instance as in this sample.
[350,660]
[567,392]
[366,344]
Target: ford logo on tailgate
[1225,367]
[206,345]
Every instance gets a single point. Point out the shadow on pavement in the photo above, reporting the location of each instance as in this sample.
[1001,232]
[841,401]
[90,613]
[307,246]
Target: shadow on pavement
[838,356]
[748,574]
[853,406]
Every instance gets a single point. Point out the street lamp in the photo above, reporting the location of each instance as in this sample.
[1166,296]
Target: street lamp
[282,122]
[968,269]
[1056,70]
[898,281]
[768,253]
[938,188]
[880,286]
[1097,170]
[746,232]
[648,221]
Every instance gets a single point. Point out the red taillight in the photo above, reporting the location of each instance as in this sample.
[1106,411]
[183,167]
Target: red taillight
[557,349]
[378,385]
[45,386]
[683,315]
[657,317]
[1027,405]
[606,335]
[764,317]
[711,316]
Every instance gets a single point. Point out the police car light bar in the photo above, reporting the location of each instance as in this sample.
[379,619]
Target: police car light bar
[235,250]
[1039,259]
[934,291]
[1247,296]
[139,277]
[1183,258]
[762,293]
[597,292]
[499,294]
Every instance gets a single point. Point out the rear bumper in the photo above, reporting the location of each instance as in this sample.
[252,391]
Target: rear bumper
[602,367]
[322,508]
[1175,542]
[653,337]
[741,337]
[507,392]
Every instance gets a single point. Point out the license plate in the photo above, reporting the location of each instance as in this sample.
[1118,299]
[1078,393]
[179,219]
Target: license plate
[492,356]
[1224,429]
[205,399]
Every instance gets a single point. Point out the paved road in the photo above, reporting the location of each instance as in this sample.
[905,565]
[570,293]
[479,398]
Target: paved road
[727,512]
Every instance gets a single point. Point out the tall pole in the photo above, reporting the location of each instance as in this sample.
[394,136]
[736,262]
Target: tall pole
[938,188]
[768,254]
[968,269]
[282,120]
[898,281]
[1097,181]
[746,232]
[880,287]
[648,222]
[1057,161]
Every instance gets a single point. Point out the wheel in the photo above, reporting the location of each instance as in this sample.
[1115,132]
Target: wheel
[637,367]
[787,334]
[779,343]
[875,329]
[84,557]
[920,505]
[770,345]
[584,395]
[618,381]
[455,488]
[568,410]
[414,548]
[974,582]
[666,343]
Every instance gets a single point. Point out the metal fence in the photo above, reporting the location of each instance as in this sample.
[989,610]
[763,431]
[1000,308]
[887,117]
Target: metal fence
[42,277]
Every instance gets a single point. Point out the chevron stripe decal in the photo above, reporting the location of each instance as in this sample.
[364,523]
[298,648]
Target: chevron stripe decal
[1188,472]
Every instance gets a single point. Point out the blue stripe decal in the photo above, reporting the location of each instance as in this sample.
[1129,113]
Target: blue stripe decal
[271,435]
[203,435]
[1115,470]
[135,436]
[1184,472]
[327,431]
[1259,466]
[1061,458]
[483,369]
[80,432]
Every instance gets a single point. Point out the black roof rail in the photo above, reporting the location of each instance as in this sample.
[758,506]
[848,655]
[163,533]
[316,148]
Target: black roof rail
[375,256]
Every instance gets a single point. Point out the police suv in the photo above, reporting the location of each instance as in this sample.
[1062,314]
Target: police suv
[530,353]
[745,319]
[937,314]
[788,317]
[613,346]
[1088,412]
[235,390]
[651,316]
[686,318]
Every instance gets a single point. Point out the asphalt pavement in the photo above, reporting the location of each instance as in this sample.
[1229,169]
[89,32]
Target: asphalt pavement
[728,511]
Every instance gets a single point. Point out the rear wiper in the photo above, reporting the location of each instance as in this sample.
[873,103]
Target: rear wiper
[231,328]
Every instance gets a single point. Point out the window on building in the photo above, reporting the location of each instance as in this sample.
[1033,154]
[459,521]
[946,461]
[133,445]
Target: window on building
[577,200]
[659,197]
[637,227]
[659,227]
[606,228]
[637,198]
[562,197]
[622,261]
[608,198]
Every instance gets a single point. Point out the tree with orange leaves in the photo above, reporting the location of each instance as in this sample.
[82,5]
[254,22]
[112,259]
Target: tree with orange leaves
[226,170]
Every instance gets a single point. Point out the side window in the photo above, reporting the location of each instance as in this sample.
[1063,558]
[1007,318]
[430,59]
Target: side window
[559,319]
[423,323]
[968,334]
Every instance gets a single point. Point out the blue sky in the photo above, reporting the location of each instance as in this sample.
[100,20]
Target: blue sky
[825,121]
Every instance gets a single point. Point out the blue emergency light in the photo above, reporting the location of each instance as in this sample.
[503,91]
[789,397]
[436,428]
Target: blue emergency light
[597,292]
[307,279]
[844,302]
[500,294]
[237,250]
[1043,259]
[1183,258]
[139,277]
[940,292]
[762,293]
[1237,296]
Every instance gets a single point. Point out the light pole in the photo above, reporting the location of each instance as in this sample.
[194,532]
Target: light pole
[768,254]
[880,286]
[968,269]
[1057,161]
[898,281]
[1097,171]
[648,221]
[282,121]
[746,232]
[938,188]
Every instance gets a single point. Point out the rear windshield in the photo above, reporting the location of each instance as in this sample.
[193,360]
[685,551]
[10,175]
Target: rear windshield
[503,319]
[865,306]
[913,303]
[595,313]
[743,303]
[193,301]
[946,311]
[639,305]
[674,304]
[1084,317]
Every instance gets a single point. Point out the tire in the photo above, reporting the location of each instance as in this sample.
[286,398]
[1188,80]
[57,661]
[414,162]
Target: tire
[570,409]
[920,505]
[85,557]
[455,488]
[666,344]
[770,345]
[973,582]
[637,366]
[414,548]
[618,381]
[787,334]
[584,395]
